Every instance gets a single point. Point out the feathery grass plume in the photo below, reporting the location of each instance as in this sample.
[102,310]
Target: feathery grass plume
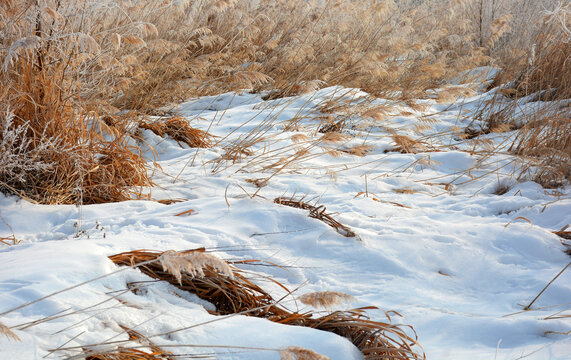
[498,28]
[250,79]
[450,94]
[299,138]
[406,144]
[53,14]
[358,150]
[376,113]
[86,43]
[325,299]
[134,40]
[148,30]
[4,330]
[333,137]
[192,263]
[116,41]
[24,45]
[299,353]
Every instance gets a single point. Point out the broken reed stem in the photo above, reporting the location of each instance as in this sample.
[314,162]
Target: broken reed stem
[317,212]
[546,286]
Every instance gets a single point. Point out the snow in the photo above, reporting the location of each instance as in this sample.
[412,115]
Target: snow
[458,262]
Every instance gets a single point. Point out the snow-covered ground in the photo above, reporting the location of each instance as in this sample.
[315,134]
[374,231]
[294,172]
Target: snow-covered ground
[457,261]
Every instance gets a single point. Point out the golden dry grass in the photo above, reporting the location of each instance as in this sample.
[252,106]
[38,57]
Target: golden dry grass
[56,154]
[179,130]
[540,80]
[64,64]
[5,331]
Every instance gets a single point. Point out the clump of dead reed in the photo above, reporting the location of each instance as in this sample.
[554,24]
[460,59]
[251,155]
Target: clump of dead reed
[179,129]
[236,294]
[406,144]
[51,152]
[230,294]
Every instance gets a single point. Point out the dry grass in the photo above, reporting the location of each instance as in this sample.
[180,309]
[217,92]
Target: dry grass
[229,294]
[299,353]
[123,353]
[565,236]
[133,58]
[317,212]
[236,294]
[66,64]
[179,129]
[538,81]
[407,145]
[5,331]
[53,154]
[8,240]
[325,299]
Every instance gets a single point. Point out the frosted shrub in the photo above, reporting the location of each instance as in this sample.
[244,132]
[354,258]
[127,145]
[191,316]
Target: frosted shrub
[21,157]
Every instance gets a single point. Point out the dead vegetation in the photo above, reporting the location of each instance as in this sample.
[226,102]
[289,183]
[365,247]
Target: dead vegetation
[317,212]
[154,352]
[232,293]
[179,130]
[67,65]
[5,331]
[298,353]
[325,299]
[535,88]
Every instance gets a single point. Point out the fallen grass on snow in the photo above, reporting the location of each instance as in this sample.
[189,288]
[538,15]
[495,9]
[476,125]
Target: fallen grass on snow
[237,295]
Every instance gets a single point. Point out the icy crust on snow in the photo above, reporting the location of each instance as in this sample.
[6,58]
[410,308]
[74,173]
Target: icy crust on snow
[435,243]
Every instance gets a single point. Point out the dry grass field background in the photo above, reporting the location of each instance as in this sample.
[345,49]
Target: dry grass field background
[76,75]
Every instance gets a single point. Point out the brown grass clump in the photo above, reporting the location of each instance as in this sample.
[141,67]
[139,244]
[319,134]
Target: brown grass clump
[317,212]
[565,236]
[231,295]
[51,153]
[179,129]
